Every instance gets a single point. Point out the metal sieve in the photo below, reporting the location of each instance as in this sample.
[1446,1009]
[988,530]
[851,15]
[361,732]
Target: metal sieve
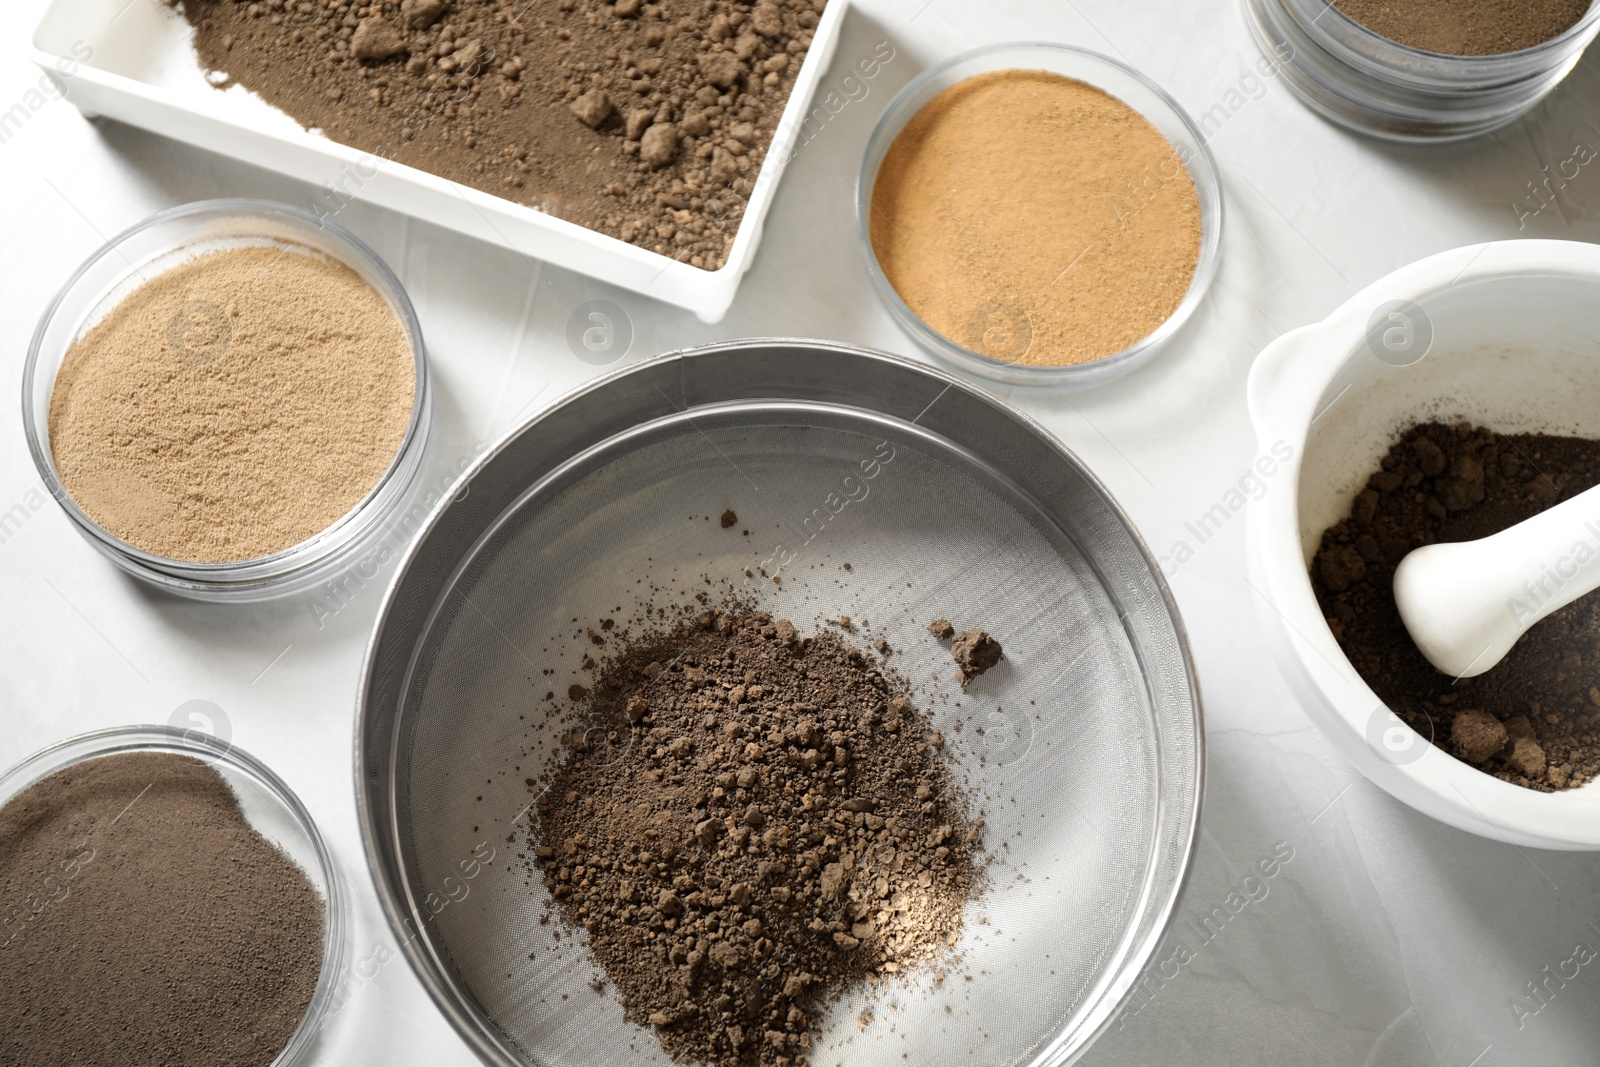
[1083,747]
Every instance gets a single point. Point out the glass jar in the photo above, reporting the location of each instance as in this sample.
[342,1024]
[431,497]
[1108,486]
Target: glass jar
[1371,84]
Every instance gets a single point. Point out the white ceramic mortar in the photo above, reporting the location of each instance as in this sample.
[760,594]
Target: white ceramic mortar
[1505,335]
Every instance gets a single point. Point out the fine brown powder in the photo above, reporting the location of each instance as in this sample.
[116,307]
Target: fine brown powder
[1467,27]
[233,406]
[756,822]
[147,922]
[1035,219]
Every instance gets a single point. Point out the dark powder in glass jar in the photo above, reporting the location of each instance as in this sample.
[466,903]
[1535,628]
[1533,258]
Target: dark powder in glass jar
[146,922]
[1467,27]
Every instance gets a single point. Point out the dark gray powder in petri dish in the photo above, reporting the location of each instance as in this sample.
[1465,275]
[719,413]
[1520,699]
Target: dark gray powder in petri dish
[144,921]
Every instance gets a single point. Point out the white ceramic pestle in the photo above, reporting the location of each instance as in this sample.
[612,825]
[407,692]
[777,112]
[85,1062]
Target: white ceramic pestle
[1466,604]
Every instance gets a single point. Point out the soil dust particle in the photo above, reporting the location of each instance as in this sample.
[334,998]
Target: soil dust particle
[975,652]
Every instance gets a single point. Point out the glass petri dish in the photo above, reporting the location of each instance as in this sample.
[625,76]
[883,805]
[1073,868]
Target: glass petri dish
[1116,79]
[160,243]
[1366,82]
[268,805]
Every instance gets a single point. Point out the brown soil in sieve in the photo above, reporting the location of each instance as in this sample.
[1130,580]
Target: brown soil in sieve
[645,121]
[233,406]
[1467,27]
[753,824]
[1534,719]
[147,922]
[1036,220]
[974,652]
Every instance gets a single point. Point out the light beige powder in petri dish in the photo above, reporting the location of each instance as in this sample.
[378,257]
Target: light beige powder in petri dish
[234,405]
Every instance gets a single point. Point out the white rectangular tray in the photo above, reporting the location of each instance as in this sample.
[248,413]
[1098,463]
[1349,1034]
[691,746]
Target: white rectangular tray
[134,62]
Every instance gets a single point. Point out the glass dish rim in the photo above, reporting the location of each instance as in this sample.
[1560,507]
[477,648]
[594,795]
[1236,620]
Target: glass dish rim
[257,569]
[152,737]
[1201,166]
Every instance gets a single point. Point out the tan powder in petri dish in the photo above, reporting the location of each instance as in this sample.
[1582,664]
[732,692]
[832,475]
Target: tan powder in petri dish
[1035,219]
[233,406]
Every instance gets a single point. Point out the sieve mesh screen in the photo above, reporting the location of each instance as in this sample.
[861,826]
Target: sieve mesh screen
[1059,743]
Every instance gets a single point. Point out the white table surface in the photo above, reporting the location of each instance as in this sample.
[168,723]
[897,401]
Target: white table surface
[1386,939]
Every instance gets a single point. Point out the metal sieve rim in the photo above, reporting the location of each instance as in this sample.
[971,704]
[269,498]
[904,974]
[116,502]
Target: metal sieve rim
[377,743]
